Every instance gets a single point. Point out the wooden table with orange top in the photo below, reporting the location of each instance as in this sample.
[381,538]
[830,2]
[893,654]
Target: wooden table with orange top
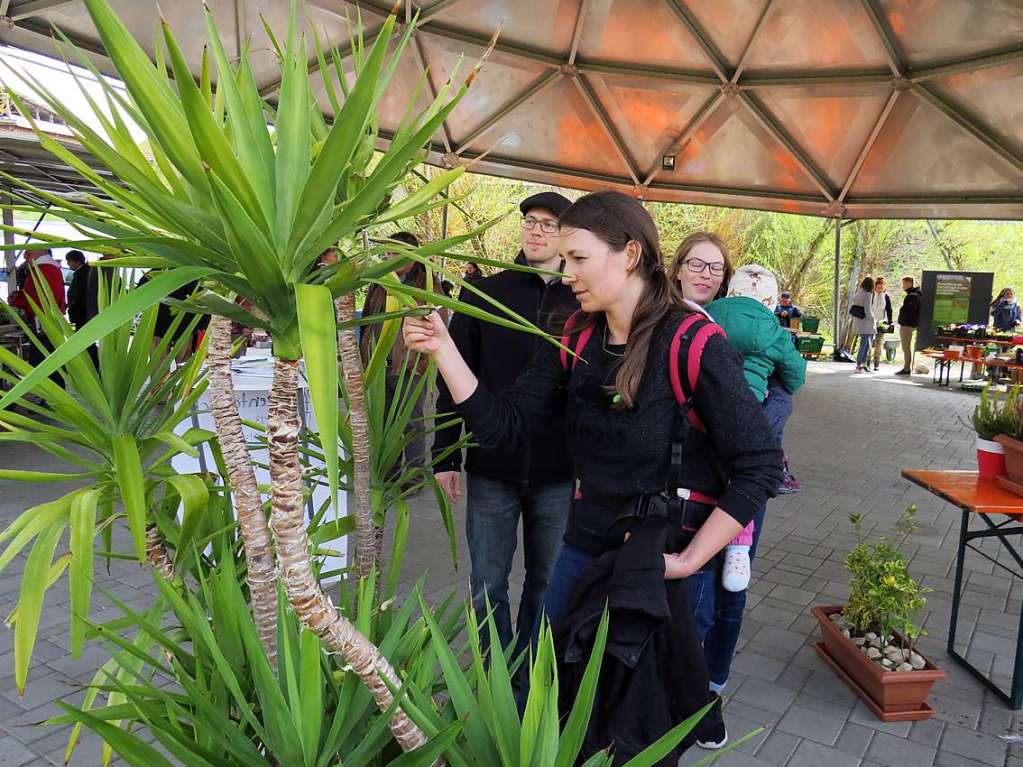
[986,500]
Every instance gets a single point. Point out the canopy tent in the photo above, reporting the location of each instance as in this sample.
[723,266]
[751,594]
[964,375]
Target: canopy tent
[845,108]
[837,108]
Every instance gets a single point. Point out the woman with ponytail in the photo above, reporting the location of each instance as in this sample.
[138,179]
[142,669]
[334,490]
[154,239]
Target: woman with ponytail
[629,436]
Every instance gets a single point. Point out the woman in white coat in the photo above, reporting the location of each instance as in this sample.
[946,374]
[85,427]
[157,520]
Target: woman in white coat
[864,323]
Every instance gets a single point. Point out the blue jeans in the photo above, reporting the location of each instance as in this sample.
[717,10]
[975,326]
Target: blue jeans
[568,571]
[718,612]
[866,343]
[492,516]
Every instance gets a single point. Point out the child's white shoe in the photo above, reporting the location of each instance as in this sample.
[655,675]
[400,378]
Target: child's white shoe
[735,574]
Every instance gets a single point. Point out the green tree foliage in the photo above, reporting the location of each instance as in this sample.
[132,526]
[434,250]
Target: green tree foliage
[799,249]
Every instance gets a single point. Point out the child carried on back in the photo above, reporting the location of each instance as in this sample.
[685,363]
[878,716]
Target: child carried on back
[774,371]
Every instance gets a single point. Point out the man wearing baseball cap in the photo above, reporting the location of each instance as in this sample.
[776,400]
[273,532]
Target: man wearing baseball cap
[504,485]
[786,311]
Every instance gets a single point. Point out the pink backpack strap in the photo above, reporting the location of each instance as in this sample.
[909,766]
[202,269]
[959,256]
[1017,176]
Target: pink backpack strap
[694,355]
[580,343]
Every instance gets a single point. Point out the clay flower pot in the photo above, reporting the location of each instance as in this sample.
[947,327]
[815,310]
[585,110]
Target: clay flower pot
[893,696]
[1013,456]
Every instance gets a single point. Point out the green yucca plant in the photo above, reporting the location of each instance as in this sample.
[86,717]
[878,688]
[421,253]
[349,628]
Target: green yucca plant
[229,707]
[249,208]
[118,430]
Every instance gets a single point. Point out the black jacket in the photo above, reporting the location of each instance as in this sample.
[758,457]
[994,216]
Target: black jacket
[627,453]
[78,296]
[498,356]
[909,312]
[653,674]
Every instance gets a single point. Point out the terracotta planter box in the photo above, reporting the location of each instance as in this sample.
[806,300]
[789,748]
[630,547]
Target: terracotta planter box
[1013,456]
[893,696]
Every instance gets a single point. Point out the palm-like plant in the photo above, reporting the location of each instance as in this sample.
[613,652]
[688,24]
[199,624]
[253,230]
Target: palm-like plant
[249,208]
[119,431]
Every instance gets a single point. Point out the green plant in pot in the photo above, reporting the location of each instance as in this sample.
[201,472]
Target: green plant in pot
[1011,441]
[870,642]
[883,598]
[996,414]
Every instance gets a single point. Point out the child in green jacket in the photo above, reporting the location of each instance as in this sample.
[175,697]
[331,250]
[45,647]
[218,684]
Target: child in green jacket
[774,371]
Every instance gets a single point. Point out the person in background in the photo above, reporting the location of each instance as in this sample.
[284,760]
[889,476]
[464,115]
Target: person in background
[78,291]
[399,361]
[505,484]
[786,311]
[473,273]
[1005,311]
[909,320]
[864,326]
[883,316]
[742,303]
[43,276]
[624,423]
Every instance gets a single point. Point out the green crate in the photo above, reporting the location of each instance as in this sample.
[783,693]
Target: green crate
[810,324]
[811,345]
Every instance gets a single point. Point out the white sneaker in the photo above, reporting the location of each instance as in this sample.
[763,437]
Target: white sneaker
[735,574]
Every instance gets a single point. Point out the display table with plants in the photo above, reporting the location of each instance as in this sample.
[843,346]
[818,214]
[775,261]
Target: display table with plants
[1000,512]
[870,642]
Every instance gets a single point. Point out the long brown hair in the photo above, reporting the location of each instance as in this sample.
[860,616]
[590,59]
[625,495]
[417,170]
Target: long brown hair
[617,219]
[688,244]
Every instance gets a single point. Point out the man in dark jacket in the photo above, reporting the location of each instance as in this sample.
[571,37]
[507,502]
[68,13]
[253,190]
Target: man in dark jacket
[909,320]
[502,484]
[78,291]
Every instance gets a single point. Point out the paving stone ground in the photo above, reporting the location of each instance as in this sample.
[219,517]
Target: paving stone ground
[850,437]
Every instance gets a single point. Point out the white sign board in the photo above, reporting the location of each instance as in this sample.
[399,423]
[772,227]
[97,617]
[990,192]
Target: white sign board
[252,376]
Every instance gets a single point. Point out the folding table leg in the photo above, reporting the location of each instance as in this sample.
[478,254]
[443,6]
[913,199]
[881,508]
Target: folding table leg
[957,587]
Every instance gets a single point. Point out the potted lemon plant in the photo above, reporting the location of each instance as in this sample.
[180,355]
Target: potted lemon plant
[870,642]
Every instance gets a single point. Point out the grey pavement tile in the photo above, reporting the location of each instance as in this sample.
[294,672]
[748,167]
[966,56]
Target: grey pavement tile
[927,731]
[793,677]
[764,695]
[777,747]
[811,723]
[840,706]
[946,759]
[810,754]
[14,753]
[956,707]
[989,749]
[824,684]
[855,739]
[862,715]
[759,666]
[894,751]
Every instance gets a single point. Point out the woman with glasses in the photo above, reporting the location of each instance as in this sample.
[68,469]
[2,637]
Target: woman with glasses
[773,370]
[623,420]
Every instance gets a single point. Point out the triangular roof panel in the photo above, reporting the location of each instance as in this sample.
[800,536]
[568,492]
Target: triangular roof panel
[649,114]
[816,35]
[639,32]
[921,152]
[731,149]
[832,123]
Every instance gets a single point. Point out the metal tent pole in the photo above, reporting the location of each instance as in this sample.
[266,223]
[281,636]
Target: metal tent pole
[837,287]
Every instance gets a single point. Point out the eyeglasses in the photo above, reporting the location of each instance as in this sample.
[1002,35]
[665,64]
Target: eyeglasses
[547,226]
[698,265]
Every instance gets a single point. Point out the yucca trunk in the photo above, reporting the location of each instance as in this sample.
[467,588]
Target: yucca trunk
[261,569]
[156,553]
[287,521]
[366,551]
